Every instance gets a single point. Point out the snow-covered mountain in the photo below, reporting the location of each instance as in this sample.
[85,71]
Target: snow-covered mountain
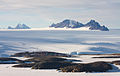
[93,25]
[67,23]
[96,26]
[20,26]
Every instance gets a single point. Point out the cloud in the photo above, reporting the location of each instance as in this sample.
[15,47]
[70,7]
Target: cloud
[21,4]
[44,12]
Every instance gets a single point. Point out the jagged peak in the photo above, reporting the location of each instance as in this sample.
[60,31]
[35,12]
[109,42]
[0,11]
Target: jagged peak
[69,20]
[92,21]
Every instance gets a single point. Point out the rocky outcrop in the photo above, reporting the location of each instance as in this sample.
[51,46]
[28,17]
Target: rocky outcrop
[90,67]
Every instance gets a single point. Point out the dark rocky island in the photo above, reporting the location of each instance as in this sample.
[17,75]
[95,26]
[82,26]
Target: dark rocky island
[53,60]
[59,61]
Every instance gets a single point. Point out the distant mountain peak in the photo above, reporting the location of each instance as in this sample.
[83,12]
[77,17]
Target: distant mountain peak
[67,23]
[92,21]
[96,26]
[69,20]
[20,26]
[9,27]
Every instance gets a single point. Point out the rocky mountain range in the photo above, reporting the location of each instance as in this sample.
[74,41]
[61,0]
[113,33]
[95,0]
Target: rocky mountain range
[19,26]
[92,24]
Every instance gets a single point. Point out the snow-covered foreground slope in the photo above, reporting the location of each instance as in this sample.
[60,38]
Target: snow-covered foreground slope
[7,70]
[65,41]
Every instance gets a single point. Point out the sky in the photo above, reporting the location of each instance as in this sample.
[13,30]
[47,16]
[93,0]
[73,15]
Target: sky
[42,13]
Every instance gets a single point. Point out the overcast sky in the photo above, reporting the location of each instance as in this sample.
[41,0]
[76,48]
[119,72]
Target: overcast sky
[42,13]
